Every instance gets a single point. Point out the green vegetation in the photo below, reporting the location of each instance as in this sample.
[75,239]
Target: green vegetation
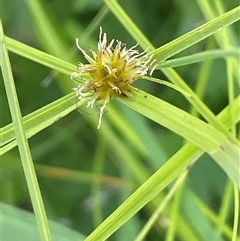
[164,164]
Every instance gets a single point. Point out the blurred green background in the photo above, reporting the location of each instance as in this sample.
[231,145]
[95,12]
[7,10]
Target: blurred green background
[74,143]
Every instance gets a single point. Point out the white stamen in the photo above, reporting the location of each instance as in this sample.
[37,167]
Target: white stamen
[116,89]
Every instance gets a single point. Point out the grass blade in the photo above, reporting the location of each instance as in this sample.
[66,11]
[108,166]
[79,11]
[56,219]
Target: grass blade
[24,150]
[223,151]
[200,57]
[170,170]
[40,119]
[39,56]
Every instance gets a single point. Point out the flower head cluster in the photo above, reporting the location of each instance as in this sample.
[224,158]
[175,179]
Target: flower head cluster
[110,72]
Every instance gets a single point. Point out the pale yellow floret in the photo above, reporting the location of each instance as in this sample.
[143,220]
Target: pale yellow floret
[110,72]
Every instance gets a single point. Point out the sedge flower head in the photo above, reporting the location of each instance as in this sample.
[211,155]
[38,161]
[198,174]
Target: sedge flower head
[110,72]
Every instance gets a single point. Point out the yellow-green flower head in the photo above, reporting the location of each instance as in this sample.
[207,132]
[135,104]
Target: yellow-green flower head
[110,72]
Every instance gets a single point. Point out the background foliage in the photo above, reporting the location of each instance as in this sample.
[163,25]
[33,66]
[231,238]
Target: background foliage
[84,173]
